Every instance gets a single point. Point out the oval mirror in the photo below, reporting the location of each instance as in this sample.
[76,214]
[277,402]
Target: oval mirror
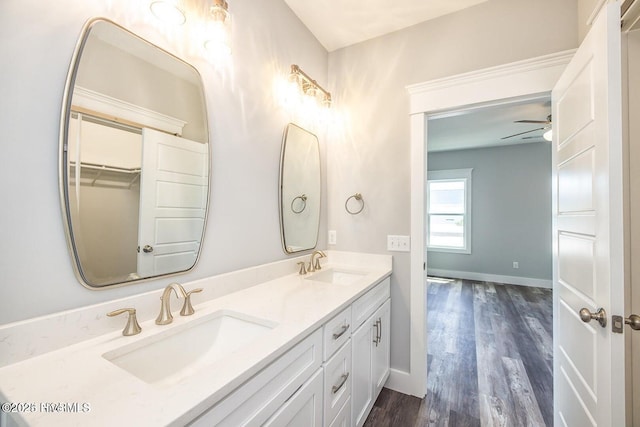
[300,189]
[134,159]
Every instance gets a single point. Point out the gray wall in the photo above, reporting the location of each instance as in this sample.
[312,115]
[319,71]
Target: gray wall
[245,124]
[511,210]
[370,153]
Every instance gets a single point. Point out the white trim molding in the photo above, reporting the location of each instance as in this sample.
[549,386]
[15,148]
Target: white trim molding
[399,381]
[519,81]
[96,101]
[498,278]
[532,77]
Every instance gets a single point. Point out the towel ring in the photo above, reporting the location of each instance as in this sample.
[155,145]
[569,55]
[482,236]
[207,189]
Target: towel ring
[303,198]
[359,198]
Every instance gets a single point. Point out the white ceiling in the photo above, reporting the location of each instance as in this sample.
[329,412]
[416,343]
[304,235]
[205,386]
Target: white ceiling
[337,24]
[485,127]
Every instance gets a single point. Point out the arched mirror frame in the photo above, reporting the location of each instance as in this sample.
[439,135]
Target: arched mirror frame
[297,205]
[62,157]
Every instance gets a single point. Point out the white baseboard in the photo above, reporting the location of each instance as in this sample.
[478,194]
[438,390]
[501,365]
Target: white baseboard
[401,381]
[511,280]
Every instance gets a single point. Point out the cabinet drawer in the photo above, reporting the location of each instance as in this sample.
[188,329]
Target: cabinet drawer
[260,397]
[304,408]
[343,419]
[336,332]
[367,304]
[337,382]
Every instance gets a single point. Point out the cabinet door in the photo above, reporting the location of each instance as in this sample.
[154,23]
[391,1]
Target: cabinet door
[304,408]
[362,369]
[381,347]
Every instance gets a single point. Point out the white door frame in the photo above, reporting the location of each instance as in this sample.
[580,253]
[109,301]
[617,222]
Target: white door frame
[529,79]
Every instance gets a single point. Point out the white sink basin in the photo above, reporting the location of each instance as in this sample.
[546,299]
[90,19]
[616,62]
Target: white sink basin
[337,276]
[169,357]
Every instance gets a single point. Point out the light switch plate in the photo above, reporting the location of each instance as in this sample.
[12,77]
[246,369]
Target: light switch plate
[332,238]
[398,243]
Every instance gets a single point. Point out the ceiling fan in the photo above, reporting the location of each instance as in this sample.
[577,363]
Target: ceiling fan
[547,126]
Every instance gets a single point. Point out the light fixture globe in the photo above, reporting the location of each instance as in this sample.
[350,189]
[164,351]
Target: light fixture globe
[168,11]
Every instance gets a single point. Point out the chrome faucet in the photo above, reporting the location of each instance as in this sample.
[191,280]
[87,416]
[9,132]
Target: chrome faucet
[314,264]
[165,317]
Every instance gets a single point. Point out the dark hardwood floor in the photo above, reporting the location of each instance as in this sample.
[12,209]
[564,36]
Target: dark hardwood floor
[489,360]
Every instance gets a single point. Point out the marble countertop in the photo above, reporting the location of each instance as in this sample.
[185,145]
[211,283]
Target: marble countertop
[108,395]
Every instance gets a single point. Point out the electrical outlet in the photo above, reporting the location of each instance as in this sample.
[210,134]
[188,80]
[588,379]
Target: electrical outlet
[398,243]
[332,237]
[516,264]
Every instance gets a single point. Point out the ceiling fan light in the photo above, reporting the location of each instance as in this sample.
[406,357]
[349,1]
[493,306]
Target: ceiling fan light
[548,135]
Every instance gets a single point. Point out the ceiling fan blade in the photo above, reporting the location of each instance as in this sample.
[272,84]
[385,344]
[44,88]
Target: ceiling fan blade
[521,133]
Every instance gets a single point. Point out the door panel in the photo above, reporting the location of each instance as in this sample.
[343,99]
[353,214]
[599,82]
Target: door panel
[577,101]
[173,199]
[587,229]
[576,260]
[575,183]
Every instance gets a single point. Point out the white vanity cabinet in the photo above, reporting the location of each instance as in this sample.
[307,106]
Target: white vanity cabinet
[337,366]
[304,408]
[288,389]
[371,347]
[330,379]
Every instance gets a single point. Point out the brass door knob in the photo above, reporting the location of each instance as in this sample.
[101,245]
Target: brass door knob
[633,321]
[601,316]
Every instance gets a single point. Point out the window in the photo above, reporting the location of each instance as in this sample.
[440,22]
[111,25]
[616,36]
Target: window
[449,211]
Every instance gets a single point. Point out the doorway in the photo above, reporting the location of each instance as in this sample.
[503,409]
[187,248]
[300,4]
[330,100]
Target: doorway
[517,82]
[489,302]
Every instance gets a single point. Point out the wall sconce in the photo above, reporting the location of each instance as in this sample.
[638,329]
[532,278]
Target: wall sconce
[208,24]
[218,29]
[169,11]
[309,87]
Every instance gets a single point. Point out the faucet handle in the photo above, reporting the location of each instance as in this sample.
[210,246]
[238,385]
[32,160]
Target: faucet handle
[132,327]
[316,265]
[187,308]
[303,269]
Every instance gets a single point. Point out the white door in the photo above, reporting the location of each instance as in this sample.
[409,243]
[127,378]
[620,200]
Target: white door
[173,199]
[588,269]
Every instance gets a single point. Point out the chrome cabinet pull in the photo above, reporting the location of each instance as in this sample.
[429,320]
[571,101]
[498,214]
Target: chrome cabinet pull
[343,380]
[379,329]
[601,316]
[342,331]
[375,325]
